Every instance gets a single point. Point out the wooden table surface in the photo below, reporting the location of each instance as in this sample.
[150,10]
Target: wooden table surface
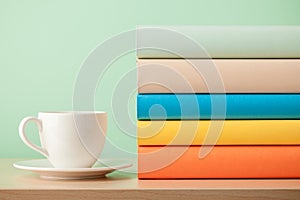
[18,184]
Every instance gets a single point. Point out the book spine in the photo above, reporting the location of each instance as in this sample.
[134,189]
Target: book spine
[228,132]
[218,42]
[218,106]
[222,162]
[234,75]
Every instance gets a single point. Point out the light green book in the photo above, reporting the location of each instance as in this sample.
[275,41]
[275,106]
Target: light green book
[218,41]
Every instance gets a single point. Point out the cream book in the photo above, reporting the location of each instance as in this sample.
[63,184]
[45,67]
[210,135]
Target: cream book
[218,75]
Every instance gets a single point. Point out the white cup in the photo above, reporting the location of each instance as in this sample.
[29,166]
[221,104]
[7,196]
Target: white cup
[68,139]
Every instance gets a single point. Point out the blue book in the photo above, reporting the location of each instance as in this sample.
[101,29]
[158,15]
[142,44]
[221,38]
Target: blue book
[218,106]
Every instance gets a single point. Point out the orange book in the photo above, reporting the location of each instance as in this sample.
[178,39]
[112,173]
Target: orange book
[167,162]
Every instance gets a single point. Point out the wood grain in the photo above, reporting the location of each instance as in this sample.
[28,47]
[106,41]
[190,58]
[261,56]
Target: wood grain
[150,194]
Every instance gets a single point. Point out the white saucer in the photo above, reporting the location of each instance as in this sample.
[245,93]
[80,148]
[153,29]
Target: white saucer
[46,170]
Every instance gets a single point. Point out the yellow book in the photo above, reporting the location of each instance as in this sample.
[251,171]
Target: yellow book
[218,132]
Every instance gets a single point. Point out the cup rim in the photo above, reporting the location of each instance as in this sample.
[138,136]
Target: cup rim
[71,112]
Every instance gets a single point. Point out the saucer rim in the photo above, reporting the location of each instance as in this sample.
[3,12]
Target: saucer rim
[23,166]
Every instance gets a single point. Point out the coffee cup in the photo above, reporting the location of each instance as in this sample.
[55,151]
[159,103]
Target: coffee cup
[72,139]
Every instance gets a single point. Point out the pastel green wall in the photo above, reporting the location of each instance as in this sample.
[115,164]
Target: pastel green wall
[43,43]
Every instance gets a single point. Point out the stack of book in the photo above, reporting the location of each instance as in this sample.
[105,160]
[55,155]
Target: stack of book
[218,102]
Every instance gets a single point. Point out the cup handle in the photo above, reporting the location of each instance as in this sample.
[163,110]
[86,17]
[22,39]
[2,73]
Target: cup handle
[25,139]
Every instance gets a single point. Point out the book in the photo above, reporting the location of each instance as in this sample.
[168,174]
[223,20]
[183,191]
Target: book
[218,132]
[217,106]
[167,162]
[218,75]
[218,41]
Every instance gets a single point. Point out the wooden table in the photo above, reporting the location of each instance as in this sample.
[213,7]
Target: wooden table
[17,184]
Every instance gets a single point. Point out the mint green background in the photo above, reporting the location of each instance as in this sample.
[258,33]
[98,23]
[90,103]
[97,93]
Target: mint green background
[43,43]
